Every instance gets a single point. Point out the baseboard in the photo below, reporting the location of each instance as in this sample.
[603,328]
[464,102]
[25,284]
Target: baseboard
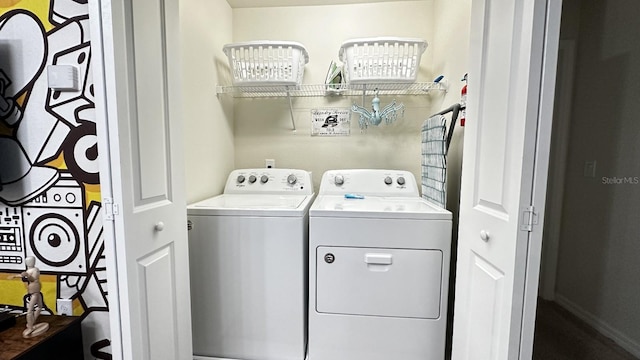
[605,329]
[196,357]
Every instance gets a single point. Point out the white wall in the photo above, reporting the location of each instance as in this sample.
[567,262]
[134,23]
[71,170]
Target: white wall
[598,263]
[209,155]
[263,127]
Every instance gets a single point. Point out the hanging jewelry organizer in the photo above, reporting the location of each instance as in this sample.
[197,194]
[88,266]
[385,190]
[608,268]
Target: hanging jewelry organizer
[374,117]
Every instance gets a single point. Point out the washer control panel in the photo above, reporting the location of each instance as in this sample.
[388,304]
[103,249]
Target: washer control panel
[269,181]
[369,182]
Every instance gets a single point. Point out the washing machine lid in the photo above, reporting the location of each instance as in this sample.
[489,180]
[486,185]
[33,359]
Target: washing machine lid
[252,205]
[377,207]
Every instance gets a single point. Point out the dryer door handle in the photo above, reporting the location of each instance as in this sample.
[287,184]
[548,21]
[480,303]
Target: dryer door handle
[378,259]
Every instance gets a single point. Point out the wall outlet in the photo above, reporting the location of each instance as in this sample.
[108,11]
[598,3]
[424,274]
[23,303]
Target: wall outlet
[589,169]
[64,307]
[270,163]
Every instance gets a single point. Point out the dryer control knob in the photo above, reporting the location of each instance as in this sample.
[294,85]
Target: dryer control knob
[401,181]
[252,179]
[339,180]
[292,179]
[240,179]
[264,179]
[388,180]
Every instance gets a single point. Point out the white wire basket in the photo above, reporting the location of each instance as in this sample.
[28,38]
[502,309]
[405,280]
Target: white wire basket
[382,59]
[268,63]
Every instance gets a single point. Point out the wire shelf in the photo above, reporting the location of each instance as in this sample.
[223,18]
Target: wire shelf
[315,90]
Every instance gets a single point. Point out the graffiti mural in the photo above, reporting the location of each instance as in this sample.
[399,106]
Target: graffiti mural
[49,182]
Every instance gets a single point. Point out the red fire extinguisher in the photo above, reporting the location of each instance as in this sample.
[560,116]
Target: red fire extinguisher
[463,101]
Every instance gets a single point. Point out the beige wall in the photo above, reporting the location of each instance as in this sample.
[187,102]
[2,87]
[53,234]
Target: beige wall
[263,127]
[451,53]
[599,247]
[209,155]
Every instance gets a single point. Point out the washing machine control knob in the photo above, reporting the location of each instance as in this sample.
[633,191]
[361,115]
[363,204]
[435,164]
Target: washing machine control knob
[264,179]
[401,181]
[240,179]
[252,179]
[292,179]
[339,180]
[388,180]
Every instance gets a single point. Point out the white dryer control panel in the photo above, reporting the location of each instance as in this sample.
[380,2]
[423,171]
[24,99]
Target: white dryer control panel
[372,182]
[269,181]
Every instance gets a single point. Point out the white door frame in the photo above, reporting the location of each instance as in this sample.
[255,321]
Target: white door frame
[541,167]
[106,190]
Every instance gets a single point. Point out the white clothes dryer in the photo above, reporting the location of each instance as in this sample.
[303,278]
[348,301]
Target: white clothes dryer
[379,269]
[248,260]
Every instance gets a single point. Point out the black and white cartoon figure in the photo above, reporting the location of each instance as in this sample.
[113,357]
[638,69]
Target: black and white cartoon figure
[23,50]
[49,121]
[75,108]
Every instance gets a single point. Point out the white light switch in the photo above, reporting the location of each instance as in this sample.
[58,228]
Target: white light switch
[590,169]
[63,77]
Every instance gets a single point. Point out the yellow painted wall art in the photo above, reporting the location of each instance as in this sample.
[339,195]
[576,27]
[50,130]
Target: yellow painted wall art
[49,180]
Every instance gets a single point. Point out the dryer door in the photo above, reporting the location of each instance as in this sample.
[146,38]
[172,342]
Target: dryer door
[379,282]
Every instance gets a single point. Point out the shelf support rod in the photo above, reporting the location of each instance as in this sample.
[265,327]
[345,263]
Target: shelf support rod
[293,121]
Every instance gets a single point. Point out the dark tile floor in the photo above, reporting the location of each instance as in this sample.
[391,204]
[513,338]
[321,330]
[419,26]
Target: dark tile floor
[560,335]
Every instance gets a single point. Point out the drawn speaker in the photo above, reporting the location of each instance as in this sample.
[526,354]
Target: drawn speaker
[56,237]
[11,238]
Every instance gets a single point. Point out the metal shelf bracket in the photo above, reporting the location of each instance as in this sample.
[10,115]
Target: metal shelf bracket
[293,120]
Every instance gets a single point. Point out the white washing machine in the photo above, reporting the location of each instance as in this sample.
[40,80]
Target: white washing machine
[248,259]
[379,269]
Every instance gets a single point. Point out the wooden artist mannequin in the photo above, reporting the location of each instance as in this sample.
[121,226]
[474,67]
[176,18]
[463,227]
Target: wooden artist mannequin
[31,277]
